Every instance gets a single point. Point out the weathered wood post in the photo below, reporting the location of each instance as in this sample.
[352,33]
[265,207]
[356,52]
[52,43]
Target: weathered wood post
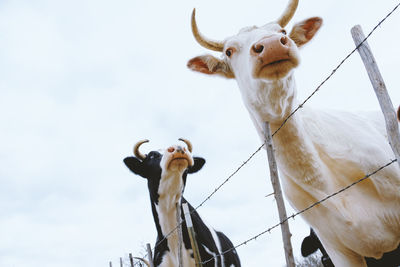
[110,264]
[192,235]
[180,237]
[149,255]
[120,262]
[392,126]
[273,169]
[131,259]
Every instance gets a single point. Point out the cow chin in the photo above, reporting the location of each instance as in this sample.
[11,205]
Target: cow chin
[178,164]
[276,70]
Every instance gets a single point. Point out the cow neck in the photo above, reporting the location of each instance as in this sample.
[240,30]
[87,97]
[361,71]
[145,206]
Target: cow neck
[273,101]
[296,154]
[269,100]
[169,197]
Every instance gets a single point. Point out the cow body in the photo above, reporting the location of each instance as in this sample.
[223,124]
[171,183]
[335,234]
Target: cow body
[318,152]
[166,175]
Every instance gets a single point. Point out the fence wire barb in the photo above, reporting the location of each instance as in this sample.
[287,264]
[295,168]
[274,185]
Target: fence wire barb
[301,211]
[278,129]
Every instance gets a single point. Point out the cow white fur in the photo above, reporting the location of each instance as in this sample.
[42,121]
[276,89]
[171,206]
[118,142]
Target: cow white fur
[318,152]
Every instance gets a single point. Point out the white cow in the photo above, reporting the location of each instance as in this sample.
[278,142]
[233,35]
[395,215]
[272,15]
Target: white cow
[318,152]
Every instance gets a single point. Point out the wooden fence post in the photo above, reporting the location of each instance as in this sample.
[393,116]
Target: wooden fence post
[131,259]
[120,262]
[180,237]
[110,264]
[149,255]
[192,235]
[392,126]
[278,197]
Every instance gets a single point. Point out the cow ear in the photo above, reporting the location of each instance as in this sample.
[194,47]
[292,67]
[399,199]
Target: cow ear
[209,64]
[309,246]
[135,165]
[305,30]
[198,164]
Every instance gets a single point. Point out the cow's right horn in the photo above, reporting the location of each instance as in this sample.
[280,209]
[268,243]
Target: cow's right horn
[188,143]
[136,151]
[202,40]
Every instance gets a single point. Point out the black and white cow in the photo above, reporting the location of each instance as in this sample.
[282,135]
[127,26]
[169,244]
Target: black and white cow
[166,173]
[312,243]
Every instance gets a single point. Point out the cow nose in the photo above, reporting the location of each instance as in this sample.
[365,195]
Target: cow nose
[257,48]
[272,49]
[284,40]
[269,45]
[180,150]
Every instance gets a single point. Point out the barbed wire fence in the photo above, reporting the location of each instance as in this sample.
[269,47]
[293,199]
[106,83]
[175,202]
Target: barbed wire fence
[273,134]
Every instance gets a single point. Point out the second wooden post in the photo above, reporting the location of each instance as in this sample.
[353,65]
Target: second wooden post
[273,169]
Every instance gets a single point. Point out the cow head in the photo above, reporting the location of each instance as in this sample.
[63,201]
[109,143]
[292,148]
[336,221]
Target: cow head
[266,52]
[258,57]
[166,170]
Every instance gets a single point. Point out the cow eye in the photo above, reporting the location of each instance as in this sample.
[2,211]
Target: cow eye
[229,52]
[283,31]
[153,156]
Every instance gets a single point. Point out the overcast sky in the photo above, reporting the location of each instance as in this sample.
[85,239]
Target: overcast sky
[83,80]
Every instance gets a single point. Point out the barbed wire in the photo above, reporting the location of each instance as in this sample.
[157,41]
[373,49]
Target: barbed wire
[230,176]
[301,211]
[273,134]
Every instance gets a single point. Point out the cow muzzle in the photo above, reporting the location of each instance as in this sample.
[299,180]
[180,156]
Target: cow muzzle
[179,156]
[273,57]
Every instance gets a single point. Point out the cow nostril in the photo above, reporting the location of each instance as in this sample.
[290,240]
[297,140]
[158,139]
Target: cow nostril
[171,149]
[258,48]
[284,40]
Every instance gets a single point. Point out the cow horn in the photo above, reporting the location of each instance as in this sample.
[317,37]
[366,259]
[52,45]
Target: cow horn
[288,13]
[187,142]
[202,40]
[136,151]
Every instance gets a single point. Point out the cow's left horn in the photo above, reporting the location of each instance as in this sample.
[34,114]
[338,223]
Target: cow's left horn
[187,142]
[136,151]
[288,13]
[202,40]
